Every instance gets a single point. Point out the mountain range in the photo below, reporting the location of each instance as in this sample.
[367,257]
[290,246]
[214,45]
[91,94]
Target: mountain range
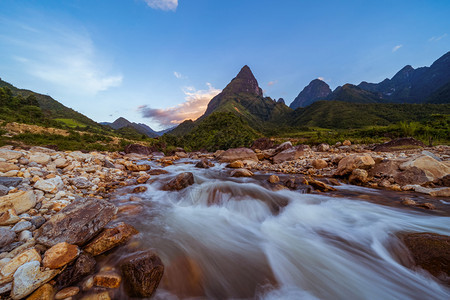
[121,123]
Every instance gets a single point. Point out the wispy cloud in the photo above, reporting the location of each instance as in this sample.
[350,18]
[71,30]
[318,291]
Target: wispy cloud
[270,83]
[179,75]
[396,48]
[321,78]
[437,38]
[66,58]
[193,107]
[163,4]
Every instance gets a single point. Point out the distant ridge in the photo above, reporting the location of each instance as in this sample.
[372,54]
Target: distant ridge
[121,122]
[315,90]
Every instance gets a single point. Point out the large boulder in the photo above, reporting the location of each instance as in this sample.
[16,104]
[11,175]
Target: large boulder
[411,176]
[238,154]
[432,168]
[289,154]
[21,201]
[138,149]
[180,182]
[351,162]
[262,144]
[76,223]
[83,266]
[28,278]
[110,238]
[142,273]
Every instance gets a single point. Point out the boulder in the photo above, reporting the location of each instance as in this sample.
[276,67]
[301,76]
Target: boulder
[60,255]
[319,164]
[204,164]
[238,154]
[28,278]
[7,236]
[241,173]
[10,181]
[430,251]
[432,168]
[358,176]
[11,267]
[136,148]
[137,168]
[412,175]
[237,164]
[142,273]
[110,238]
[81,182]
[262,144]
[40,158]
[76,223]
[282,147]
[52,185]
[319,185]
[273,179]
[386,168]
[21,201]
[83,266]
[323,147]
[399,144]
[289,154]
[9,217]
[139,189]
[43,293]
[355,161]
[6,167]
[180,182]
[10,154]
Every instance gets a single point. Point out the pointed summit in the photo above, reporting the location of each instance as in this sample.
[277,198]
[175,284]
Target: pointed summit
[244,82]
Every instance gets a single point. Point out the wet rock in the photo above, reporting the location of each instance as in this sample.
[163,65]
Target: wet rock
[60,255]
[21,226]
[97,296]
[430,251]
[319,164]
[40,158]
[427,205]
[351,162]
[238,164]
[81,182]
[137,168]
[7,236]
[139,189]
[273,179]
[157,172]
[11,267]
[83,266]
[143,178]
[10,154]
[28,278]
[290,154]
[67,292]
[241,173]
[6,167]
[432,168]
[408,202]
[204,164]
[76,223]
[180,182]
[108,279]
[10,181]
[319,185]
[138,149]
[45,292]
[358,176]
[21,201]
[110,238]
[142,273]
[238,154]
[9,217]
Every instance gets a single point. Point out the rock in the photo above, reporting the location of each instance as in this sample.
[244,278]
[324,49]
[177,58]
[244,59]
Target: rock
[440,192]
[81,182]
[137,168]
[48,186]
[37,221]
[5,167]
[408,202]
[181,154]
[411,176]
[238,154]
[282,147]
[9,217]
[319,185]
[139,189]
[142,273]
[60,255]
[143,178]
[237,164]
[10,154]
[399,144]
[292,153]
[110,238]
[108,164]
[427,205]
[98,296]
[136,148]
[10,181]
[83,266]
[45,292]
[319,164]
[430,251]
[5,288]
[7,236]
[180,182]
[241,173]
[28,278]
[3,190]
[108,279]
[347,143]
[67,292]
[431,154]
[157,172]
[432,168]
[25,235]
[61,162]
[204,164]
[21,226]
[273,179]
[47,149]
[358,176]
[79,156]
[76,223]
[387,168]
[11,267]
[323,148]
[40,158]
[355,161]
[262,144]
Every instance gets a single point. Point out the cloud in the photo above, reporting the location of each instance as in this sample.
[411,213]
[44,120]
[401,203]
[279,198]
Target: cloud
[321,78]
[437,38]
[163,4]
[270,83]
[66,58]
[396,48]
[179,75]
[193,107]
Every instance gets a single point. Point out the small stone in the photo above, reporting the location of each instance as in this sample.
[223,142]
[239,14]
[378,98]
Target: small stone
[204,164]
[45,292]
[29,277]
[81,182]
[347,143]
[180,182]
[7,236]
[9,217]
[109,279]
[88,284]
[358,176]
[40,158]
[6,167]
[319,164]
[37,221]
[384,183]
[67,292]
[143,178]
[237,164]
[25,235]
[408,202]
[98,296]
[273,179]
[60,255]
[10,154]
[21,226]
[10,268]
[323,148]
[20,201]
[427,205]
[139,189]
[241,173]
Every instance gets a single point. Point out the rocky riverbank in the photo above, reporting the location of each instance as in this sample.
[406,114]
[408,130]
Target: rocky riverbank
[56,217]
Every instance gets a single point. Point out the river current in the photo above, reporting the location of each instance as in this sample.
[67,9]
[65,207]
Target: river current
[234,238]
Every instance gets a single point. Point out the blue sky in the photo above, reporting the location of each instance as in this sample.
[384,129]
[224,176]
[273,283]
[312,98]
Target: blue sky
[108,59]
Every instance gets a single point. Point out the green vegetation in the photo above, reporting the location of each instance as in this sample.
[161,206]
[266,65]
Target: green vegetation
[71,123]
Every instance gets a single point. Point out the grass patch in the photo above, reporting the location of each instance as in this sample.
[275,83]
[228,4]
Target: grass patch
[71,123]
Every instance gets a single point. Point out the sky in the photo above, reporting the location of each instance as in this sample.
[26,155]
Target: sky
[159,62]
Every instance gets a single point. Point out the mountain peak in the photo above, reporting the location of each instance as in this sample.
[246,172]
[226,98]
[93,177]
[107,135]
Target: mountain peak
[246,73]
[315,90]
[244,82]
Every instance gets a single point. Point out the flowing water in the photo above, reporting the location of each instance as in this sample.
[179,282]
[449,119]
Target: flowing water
[229,238]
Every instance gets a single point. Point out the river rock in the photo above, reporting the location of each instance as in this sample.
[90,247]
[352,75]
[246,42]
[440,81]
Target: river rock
[10,181]
[25,235]
[97,296]
[412,175]
[40,158]
[21,226]
[292,153]
[143,178]
[204,164]
[67,292]
[137,168]
[319,164]
[180,182]
[142,273]
[140,189]
[430,251]
[241,173]
[238,154]
[399,144]
[37,221]
[355,161]
[136,148]
[319,185]
[110,238]
[7,236]
[45,292]
[21,201]
[157,172]
[6,167]
[347,143]
[9,217]
[52,185]
[432,168]
[386,168]
[76,223]
[61,162]
[273,179]
[11,267]
[323,148]
[10,154]
[81,182]
[237,164]
[358,176]
[28,278]
[60,255]
[108,279]
[83,266]
[3,190]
